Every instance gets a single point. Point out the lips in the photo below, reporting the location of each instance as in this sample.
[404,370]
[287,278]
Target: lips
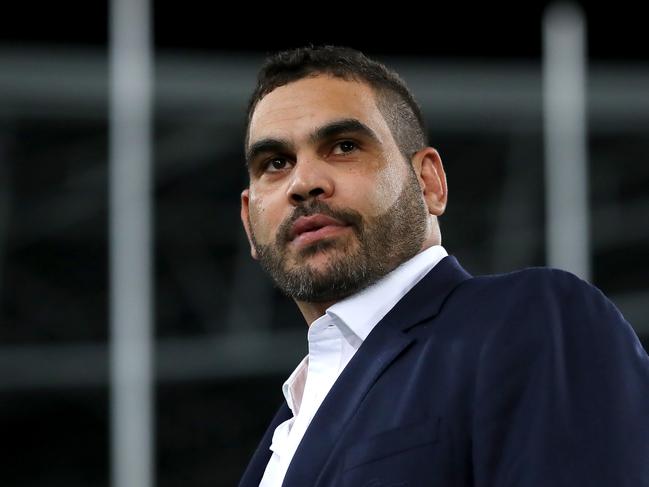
[309,228]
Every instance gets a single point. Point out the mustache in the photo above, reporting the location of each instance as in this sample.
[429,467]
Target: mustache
[317,207]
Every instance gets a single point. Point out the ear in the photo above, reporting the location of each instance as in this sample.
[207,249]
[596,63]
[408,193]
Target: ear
[429,169]
[245,219]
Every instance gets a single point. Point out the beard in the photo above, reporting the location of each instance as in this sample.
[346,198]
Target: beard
[383,243]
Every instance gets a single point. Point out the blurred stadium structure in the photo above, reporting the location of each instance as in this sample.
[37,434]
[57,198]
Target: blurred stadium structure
[224,338]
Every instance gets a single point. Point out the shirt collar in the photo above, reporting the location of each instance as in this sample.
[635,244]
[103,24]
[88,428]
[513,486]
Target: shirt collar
[358,314]
[293,387]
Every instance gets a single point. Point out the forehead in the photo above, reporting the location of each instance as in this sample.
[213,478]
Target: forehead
[295,109]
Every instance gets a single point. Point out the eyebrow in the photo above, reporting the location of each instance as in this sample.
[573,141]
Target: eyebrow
[330,130]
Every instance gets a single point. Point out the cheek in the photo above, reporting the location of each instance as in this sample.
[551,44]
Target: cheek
[388,187]
[364,197]
[257,218]
[263,220]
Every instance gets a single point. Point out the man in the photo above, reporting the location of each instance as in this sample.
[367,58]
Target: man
[418,374]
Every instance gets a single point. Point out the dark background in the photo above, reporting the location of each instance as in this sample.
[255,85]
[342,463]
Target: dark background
[459,30]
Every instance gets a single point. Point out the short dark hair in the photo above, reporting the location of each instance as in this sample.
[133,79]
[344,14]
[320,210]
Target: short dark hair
[395,102]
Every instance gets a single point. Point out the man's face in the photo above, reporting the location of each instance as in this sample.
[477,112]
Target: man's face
[332,206]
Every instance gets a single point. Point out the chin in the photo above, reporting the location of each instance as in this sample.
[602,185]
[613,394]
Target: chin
[318,261]
[324,248]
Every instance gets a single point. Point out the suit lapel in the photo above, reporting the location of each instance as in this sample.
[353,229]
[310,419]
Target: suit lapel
[426,299]
[257,465]
[384,343]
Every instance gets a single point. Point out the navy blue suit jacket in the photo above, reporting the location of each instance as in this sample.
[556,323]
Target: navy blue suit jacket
[531,378]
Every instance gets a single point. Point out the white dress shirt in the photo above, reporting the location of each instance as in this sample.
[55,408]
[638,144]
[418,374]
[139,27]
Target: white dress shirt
[333,340]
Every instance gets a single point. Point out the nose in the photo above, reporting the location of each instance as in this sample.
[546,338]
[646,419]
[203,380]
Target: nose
[310,179]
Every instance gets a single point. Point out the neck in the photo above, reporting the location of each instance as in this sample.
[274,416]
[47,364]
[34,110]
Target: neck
[313,311]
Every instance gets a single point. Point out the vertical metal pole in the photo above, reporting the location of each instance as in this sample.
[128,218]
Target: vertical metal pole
[5,201]
[566,171]
[131,339]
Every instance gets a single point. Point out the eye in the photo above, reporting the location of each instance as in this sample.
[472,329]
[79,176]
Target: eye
[276,164]
[346,146]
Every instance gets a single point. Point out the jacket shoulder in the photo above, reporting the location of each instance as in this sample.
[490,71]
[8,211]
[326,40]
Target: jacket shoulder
[547,306]
[538,290]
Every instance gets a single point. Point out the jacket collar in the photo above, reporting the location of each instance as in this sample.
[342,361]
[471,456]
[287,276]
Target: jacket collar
[387,340]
